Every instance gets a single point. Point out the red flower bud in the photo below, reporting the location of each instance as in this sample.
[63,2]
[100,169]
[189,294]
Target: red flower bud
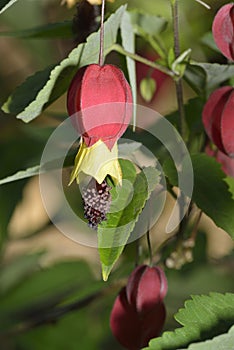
[218,119]
[100,86]
[138,313]
[223,30]
[147,287]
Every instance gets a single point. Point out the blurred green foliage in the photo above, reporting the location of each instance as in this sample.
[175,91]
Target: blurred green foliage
[47,308]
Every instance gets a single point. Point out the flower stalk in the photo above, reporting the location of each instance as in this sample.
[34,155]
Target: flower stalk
[101,52]
[178,82]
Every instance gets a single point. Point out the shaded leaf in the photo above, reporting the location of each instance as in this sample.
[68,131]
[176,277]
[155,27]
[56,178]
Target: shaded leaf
[40,90]
[150,24]
[208,40]
[17,270]
[224,342]
[24,94]
[16,152]
[193,112]
[211,194]
[149,27]
[38,293]
[86,329]
[205,77]
[48,31]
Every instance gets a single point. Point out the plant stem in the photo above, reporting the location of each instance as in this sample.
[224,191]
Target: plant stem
[203,4]
[149,248]
[178,83]
[195,228]
[141,59]
[101,56]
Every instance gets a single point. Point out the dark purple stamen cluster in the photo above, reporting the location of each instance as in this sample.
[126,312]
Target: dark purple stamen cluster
[97,200]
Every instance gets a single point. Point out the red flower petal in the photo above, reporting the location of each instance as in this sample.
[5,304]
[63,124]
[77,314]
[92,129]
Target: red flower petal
[146,288]
[212,114]
[223,30]
[227,163]
[103,97]
[124,322]
[152,324]
[131,329]
[227,126]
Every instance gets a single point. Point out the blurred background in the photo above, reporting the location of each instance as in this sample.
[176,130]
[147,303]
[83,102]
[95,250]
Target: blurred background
[41,268]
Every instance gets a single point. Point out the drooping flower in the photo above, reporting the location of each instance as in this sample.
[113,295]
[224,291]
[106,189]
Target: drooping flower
[99,102]
[223,30]
[218,119]
[106,88]
[138,313]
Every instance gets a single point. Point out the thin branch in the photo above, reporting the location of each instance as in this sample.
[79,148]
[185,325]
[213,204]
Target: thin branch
[178,83]
[196,225]
[101,56]
[149,247]
[203,4]
[141,59]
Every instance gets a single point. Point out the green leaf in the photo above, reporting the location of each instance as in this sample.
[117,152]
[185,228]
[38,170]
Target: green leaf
[38,293]
[128,201]
[205,77]
[39,169]
[86,329]
[193,112]
[149,27]
[22,174]
[230,181]
[40,90]
[5,4]
[128,42]
[202,318]
[150,24]
[224,342]
[211,193]
[48,31]
[17,150]
[179,65]
[27,92]
[15,271]
[208,40]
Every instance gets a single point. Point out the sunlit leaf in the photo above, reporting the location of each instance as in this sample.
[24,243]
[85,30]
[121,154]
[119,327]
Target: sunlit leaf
[127,204]
[202,318]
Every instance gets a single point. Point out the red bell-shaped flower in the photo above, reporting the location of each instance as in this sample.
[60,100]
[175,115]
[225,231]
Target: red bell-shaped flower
[100,102]
[147,287]
[138,313]
[223,30]
[218,119]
